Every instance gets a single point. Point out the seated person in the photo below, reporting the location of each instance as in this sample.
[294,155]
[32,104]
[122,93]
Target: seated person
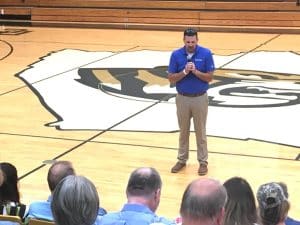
[289,220]
[9,192]
[58,171]
[203,203]
[143,196]
[75,202]
[240,208]
[273,205]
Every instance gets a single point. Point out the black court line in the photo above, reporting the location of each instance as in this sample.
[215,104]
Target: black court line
[152,146]
[11,49]
[73,139]
[252,50]
[80,140]
[93,137]
[100,133]
[55,75]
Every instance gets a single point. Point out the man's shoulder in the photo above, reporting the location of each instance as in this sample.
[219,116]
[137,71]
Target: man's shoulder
[179,51]
[40,209]
[201,50]
[110,216]
[114,218]
[39,204]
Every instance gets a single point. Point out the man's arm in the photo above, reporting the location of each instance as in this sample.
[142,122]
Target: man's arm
[204,76]
[175,77]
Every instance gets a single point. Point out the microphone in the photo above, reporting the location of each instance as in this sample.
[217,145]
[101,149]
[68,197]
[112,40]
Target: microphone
[189,57]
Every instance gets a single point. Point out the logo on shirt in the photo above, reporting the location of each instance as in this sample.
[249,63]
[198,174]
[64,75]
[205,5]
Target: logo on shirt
[198,60]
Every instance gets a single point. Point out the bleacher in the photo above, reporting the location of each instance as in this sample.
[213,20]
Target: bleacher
[210,15]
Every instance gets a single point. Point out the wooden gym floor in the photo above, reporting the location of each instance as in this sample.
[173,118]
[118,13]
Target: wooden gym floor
[100,99]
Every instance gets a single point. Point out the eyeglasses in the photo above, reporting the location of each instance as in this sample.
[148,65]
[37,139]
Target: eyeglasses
[190,32]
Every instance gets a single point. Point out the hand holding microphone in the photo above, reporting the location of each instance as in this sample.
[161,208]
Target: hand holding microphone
[190,66]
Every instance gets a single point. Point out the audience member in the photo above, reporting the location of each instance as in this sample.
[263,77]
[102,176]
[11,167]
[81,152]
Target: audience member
[75,201]
[203,203]
[58,171]
[143,197]
[273,204]
[9,192]
[240,208]
[289,220]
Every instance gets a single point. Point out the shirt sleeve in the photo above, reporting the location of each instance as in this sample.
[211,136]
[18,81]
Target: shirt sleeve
[210,65]
[172,64]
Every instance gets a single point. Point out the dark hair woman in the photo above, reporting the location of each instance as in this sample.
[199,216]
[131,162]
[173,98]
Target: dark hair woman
[9,192]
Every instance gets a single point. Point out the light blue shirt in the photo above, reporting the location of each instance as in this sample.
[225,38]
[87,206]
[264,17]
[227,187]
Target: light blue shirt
[8,223]
[133,214]
[42,210]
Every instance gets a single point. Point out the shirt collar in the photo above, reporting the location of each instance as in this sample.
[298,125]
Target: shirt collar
[137,208]
[49,198]
[185,52]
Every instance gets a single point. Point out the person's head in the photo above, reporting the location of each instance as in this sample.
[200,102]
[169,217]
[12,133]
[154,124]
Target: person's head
[203,202]
[75,201]
[58,171]
[273,204]
[240,208]
[144,187]
[190,39]
[8,183]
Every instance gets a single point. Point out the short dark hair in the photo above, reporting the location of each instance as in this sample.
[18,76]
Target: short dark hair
[190,32]
[143,182]
[58,171]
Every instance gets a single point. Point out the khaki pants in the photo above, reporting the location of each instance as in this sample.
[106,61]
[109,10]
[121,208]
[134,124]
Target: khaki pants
[196,108]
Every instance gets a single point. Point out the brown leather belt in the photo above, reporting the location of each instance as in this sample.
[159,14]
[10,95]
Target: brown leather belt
[192,95]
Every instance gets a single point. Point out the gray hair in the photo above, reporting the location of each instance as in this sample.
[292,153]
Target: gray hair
[75,201]
[201,201]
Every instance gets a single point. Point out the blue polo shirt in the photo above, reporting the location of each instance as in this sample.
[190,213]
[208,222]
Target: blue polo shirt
[134,214]
[42,210]
[203,61]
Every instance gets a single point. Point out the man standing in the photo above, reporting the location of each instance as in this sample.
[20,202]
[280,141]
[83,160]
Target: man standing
[191,69]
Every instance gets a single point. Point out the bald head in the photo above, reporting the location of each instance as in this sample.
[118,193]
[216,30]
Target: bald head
[204,199]
[204,186]
[143,182]
[58,171]
[144,186]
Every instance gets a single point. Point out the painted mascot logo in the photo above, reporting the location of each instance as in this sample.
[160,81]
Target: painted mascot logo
[253,96]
